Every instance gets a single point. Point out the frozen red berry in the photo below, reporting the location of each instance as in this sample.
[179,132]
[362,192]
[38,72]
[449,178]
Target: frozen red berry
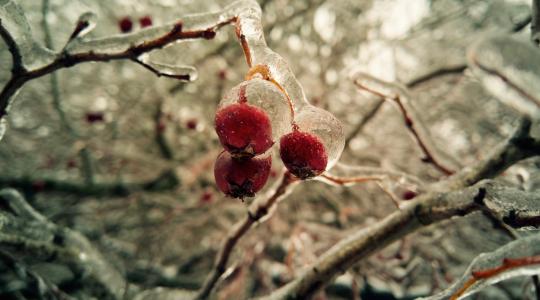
[125,24]
[303,154]
[244,129]
[145,21]
[241,177]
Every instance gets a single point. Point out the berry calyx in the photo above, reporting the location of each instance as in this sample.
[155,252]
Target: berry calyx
[125,24]
[303,154]
[244,130]
[242,177]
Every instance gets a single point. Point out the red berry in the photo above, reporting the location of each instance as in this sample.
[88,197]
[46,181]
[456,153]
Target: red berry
[241,177]
[192,124]
[145,21]
[125,24]
[408,195]
[243,129]
[94,117]
[303,154]
[206,197]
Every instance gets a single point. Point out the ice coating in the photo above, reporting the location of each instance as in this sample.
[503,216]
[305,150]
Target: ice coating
[33,55]
[251,26]
[523,247]
[401,99]
[325,126]
[2,128]
[510,70]
[268,97]
[85,24]
[185,73]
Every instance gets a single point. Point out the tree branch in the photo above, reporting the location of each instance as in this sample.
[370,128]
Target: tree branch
[446,199]
[535,22]
[31,233]
[256,212]
[67,59]
[165,181]
[17,65]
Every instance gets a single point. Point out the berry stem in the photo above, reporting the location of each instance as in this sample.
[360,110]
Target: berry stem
[256,212]
[264,71]
[348,180]
[244,43]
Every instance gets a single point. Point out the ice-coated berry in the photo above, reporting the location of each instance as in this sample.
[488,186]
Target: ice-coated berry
[125,24]
[243,129]
[303,154]
[241,177]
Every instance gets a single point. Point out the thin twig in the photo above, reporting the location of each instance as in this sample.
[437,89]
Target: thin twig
[17,65]
[255,213]
[411,123]
[370,114]
[158,73]
[66,59]
[535,22]
[164,181]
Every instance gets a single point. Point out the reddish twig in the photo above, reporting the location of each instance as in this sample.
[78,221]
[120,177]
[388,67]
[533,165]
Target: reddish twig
[507,264]
[66,59]
[409,123]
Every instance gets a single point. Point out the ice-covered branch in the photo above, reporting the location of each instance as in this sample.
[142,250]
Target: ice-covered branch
[510,70]
[164,181]
[535,22]
[399,96]
[258,211]
[17,66]
[127,46]
[456,196]
[26,231]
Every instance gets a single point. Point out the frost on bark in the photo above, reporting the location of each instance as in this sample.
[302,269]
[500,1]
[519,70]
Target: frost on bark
[107,147]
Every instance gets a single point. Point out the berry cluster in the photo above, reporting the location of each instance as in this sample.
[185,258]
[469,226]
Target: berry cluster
[248,121]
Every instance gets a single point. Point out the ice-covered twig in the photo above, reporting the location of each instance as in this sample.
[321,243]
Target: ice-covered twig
[517,258]
[456,196]
[535,22]
[27,231]
[510,70]
[164,181]
[127,46]
[401,99]
[17,66]
[258,211]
